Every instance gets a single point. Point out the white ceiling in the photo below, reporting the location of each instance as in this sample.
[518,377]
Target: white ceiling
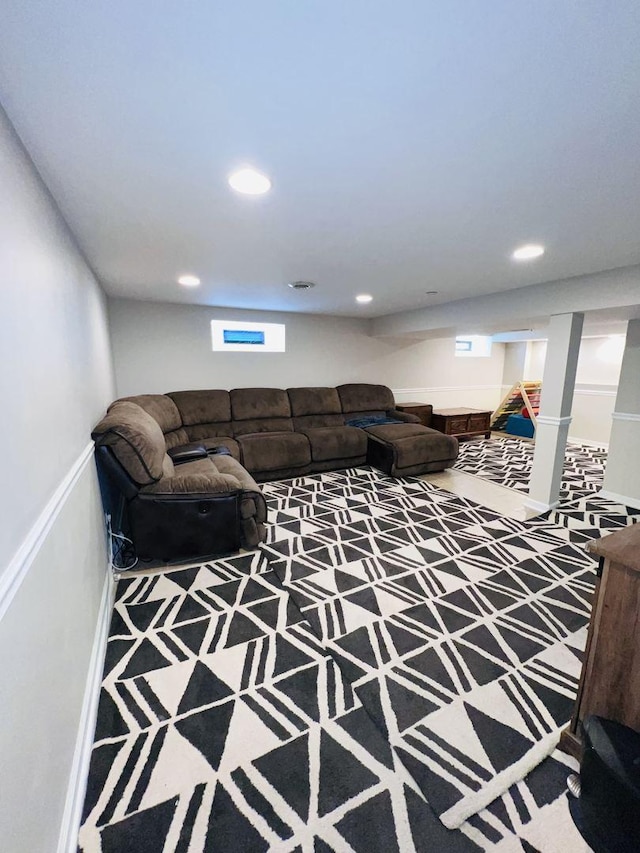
[411,145]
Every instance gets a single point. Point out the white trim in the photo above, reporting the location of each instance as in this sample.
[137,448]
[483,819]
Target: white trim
[439,389]
[625,416]
[590,392]
[551,420]
[16,571]
[620,499]
[591,442]
[76,788]
[538,506]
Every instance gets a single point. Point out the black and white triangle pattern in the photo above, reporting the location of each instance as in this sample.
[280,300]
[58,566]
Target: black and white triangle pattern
[460,631]
[591,517]
[224,726]
[508,461]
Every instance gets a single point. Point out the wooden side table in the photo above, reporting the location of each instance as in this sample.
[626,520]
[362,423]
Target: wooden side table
[421,410]
[610,680]
[462,422]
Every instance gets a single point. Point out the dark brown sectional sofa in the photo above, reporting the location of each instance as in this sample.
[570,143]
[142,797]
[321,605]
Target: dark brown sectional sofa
[188,463]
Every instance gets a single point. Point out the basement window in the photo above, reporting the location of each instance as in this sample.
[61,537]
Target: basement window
[478,346]
[240,336]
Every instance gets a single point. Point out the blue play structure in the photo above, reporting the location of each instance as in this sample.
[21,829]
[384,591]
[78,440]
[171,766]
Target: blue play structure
[518,425]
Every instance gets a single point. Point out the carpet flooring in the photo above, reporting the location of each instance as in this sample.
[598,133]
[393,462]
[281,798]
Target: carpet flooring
[461,631]
[223,726]
[235,716]
[508,461]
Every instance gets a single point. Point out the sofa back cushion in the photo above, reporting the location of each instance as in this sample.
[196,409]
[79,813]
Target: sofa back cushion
[369,399]
[136,440]
[205,414]
[163,409]
[315,407]
[260,410]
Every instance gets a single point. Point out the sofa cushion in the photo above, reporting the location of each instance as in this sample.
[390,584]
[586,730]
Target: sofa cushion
[136,440]
[273,451]
[201,476]
[202,407]
[415,444]
[316,421]
[342,442]
[314,401]
[160,407]
[315,407]
[261,425]
[164,410]
[361,397]
[394,432]
[250,404]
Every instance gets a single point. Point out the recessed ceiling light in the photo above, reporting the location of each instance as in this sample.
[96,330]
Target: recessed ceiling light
[301,285]
[364,298]
[528,252]
[249,182]
[189,280]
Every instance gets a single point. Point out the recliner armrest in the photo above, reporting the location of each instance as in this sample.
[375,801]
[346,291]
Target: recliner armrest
[219,450]
[187,453]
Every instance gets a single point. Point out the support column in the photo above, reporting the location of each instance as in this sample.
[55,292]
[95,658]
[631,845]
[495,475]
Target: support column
[558,383]
[622,476]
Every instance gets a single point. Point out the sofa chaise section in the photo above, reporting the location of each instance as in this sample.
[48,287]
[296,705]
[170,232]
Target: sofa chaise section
[398,443]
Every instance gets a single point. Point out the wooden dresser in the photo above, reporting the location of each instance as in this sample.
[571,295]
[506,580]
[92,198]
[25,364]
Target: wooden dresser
[462,422]
[610,680]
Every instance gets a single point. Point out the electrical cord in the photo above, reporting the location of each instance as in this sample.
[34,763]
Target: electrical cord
[121,548]
[123,554]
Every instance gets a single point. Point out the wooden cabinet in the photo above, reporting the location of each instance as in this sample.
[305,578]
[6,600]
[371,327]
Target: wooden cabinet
[610,680]
[420,410]
[462,422]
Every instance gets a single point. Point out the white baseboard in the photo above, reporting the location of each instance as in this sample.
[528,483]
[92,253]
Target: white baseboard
[590,442]
[68,838]
[538,506]
[634,503]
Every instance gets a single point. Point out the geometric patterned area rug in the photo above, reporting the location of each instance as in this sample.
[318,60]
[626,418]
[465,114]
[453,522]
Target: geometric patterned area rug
[460,631]
[508,462]
[226,724]
[224,727]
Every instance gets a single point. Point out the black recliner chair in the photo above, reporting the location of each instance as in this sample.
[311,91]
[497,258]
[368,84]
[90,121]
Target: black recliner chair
[184,504]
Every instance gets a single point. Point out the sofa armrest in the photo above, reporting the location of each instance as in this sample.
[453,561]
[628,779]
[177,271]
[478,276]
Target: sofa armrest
[211,483]
[187,453]
[406,417]
[219,450]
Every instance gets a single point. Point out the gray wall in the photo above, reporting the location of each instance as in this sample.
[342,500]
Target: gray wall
[55,380]
[161,347]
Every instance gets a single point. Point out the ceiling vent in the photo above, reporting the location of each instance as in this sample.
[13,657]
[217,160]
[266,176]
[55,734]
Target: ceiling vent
[301,285]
